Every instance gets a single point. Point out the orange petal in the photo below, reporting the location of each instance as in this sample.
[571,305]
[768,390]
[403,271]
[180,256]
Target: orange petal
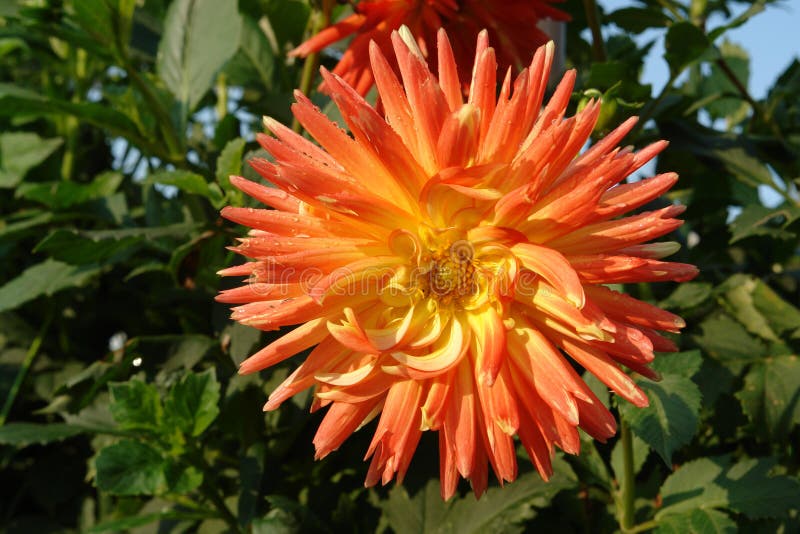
[554,268]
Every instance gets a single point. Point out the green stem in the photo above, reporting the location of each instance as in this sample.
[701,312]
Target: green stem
[745,94]
[593,19]
[628,483]
[643,527]
[222,96]
[317,21]
[209,488]
[30,356]
[669,7]
[219,503]
[171,138]
[649,110]
[70,123]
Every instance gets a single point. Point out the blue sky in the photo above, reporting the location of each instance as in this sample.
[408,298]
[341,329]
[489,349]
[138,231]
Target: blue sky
[772,38]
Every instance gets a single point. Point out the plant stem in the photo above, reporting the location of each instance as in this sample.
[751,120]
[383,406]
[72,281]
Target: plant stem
[30,356]
[318,21]
[70,123]
[222,96]
[643,527]
[173,141]
[593,19]
[648,111]
[628,483]
[745,94]
[209,488]
[219,503]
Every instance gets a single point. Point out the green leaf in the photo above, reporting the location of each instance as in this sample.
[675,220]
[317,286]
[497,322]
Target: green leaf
[687,295]
[20,152]
[229,163]
[734,109]
[684,44]
[640,453]
[20,223]
[199,37]
[46,278]
[697,521]
[251,469]
[24,434]
[735,153]
[725,339]
[288,517]
[15,100]
[771,396]
[638,19]
[671,419]
[191,404]
[126,524]
[499,510]
[130,468]
[287,20]
[183,479]
[762,311]
[758,220]
[61,195]
[135,405]
[79,248]
[188,182]
[755,8]
[97,17]
[254,63]
[783,318]
[11,44]
[745,166]
[745,488]
[243,340]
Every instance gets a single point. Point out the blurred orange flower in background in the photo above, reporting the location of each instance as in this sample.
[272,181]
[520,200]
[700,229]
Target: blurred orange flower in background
[512,27]
[449,259]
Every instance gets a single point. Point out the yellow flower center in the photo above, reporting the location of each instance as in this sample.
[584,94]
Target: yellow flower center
[451,277]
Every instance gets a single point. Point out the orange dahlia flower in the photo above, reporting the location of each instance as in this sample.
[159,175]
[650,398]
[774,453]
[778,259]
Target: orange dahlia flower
[447,263]
[511,23]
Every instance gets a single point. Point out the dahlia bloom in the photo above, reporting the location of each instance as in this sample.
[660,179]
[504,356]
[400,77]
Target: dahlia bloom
[448,260]
[511,23]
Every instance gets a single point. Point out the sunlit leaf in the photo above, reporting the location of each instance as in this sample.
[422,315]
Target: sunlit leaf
[24,434]
[745,487]
[46,278]
[671,419]
[698,521]
[199,37]
[771,396]
[191,404]
[20,152]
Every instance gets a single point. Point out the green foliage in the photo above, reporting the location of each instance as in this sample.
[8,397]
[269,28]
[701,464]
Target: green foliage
[45,278]
[200,36]
[24,434]
[122,121]
[672,417]
[499,510]
[745,487]
[131,468]
[697,521]
[20,152]
[192,403]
